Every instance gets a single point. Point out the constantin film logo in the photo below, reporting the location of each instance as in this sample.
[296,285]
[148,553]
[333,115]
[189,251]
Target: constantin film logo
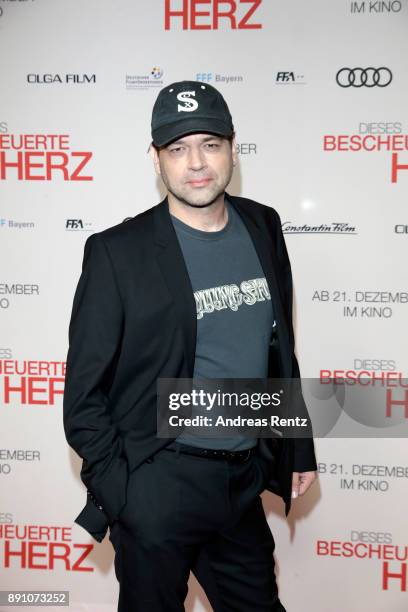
[335,227]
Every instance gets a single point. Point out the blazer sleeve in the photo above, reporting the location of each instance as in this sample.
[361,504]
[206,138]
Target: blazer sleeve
[304,453]
[95,332]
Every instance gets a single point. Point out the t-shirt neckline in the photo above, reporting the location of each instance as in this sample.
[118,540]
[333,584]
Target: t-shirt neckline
[202,234]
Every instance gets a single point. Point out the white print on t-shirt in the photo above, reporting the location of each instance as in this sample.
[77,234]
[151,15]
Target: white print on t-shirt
[231,296]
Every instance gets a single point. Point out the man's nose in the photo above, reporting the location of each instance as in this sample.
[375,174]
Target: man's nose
[196,158]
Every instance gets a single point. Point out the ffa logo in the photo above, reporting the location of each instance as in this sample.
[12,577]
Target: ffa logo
[189,104]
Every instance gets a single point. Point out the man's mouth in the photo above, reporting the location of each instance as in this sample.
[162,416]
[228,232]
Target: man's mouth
[199,182]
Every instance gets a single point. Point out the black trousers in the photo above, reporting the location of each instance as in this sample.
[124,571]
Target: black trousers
[194,513]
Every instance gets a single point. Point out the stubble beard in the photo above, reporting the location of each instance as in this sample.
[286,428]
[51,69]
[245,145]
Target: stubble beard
[179,196]
[211,198]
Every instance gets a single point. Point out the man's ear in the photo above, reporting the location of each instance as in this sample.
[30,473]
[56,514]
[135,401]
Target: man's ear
[234,151]
[154,154]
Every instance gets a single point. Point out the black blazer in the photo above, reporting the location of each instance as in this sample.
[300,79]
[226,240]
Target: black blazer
[134,321]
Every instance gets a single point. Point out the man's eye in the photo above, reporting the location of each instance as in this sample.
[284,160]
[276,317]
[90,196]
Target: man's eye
[176,149]
[212,145]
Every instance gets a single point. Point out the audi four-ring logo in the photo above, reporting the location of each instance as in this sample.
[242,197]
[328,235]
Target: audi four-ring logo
[364,77]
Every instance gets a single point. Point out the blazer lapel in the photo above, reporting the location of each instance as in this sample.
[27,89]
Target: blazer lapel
[171,262]
[269,263]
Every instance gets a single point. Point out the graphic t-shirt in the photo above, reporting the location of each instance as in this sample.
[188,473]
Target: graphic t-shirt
[234,311]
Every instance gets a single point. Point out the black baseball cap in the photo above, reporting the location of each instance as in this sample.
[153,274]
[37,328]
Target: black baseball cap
[186,107]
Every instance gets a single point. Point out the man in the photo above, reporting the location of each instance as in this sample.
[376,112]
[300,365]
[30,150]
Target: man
[197,286]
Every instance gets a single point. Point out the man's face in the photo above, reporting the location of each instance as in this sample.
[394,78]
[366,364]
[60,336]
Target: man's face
[196,168]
